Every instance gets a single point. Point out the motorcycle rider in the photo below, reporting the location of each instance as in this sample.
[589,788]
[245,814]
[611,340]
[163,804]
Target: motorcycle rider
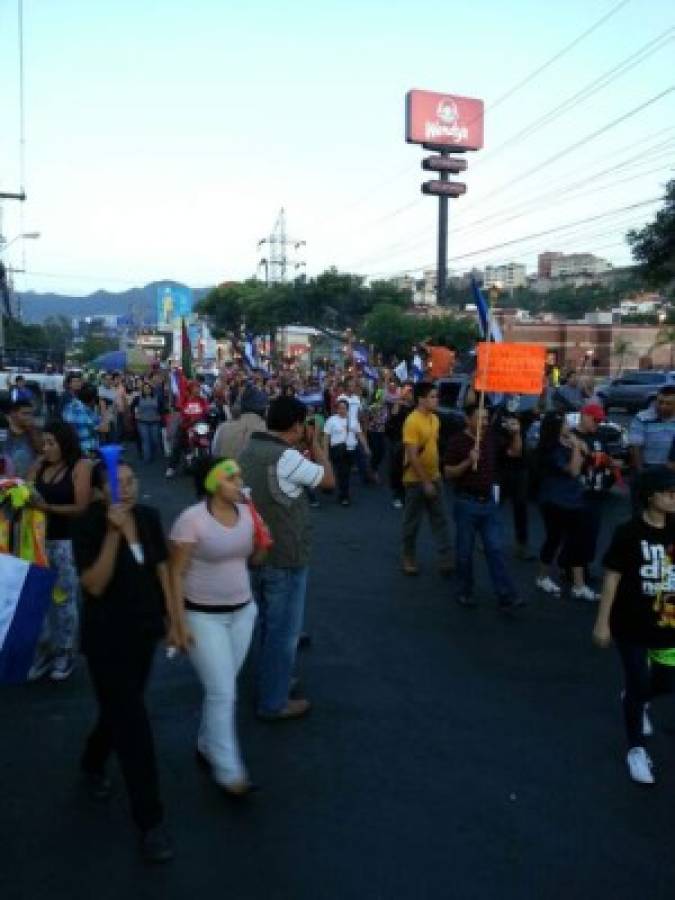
[193,409]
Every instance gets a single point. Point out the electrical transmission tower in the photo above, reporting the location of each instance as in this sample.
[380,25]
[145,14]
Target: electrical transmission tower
[279,253]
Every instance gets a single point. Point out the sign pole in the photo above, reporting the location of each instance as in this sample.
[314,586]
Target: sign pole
[442,263]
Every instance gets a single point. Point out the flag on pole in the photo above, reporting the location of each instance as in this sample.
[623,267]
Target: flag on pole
[360,355]
[417,368]
[185,351]
[401,371]
[25,595]
[490,330]
[250,352]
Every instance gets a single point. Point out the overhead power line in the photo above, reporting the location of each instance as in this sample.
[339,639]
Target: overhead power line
[538,234]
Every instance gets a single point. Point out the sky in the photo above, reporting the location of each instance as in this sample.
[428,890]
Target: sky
[162,138]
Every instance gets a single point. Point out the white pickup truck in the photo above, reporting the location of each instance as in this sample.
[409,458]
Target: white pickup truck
[36,382]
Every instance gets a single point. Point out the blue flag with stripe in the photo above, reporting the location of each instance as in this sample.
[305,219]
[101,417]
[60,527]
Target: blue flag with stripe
[490,330]
[25,595]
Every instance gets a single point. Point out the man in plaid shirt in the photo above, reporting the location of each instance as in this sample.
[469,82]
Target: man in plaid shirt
[81,413]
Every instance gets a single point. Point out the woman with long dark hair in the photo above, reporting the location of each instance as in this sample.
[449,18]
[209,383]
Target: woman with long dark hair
[560,457]
[62,481]
[121,555]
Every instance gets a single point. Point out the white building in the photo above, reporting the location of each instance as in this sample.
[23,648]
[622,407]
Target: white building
[506,277]
[570,265]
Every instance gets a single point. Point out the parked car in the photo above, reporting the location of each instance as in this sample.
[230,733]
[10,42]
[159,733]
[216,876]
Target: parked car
[634,390]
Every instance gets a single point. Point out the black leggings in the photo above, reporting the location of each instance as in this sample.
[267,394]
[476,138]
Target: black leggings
[644,680]
[563,527]
[119,680]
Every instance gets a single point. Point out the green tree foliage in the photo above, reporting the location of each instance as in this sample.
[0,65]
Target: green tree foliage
[331,302]
[653,246]
[393,332]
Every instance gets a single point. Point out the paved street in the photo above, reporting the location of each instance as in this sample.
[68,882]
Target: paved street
[451,753]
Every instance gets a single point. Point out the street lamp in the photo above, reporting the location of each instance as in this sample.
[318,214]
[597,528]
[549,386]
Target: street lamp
[26,236]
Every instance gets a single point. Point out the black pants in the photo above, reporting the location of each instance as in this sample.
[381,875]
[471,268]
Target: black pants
[396,470]
[119,681]
[343,461]
[644,680]
[376,442]
[515,488]
[564,527]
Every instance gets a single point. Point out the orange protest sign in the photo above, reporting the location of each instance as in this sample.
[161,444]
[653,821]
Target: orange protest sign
[510,368]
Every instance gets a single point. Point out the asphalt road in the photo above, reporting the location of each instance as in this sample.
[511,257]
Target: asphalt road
[451,753]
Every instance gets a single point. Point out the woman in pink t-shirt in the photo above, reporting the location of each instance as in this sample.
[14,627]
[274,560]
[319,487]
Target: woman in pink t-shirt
[211,544]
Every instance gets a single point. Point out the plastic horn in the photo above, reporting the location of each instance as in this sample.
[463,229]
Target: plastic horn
[111,456]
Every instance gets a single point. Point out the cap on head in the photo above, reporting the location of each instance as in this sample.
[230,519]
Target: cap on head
[595,411]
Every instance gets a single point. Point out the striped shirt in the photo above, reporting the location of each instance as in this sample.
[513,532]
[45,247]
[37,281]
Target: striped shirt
[294,473]
[654,436]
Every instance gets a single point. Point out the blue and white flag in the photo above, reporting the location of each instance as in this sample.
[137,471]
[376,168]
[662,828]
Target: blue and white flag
[370,373]
[490,330]
[250,352]
[401,371]
[417,368]
[25,595]
[360,355]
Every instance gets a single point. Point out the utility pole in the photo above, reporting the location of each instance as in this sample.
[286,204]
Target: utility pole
[281,257]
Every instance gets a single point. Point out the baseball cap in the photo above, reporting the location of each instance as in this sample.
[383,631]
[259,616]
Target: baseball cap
[595,411]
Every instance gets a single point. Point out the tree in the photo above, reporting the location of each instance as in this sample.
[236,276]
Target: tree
[390,330]
[653,246]
[664,336]
[622,346]
[92,346]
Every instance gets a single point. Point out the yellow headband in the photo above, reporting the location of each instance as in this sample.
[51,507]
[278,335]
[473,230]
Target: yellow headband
[226,468]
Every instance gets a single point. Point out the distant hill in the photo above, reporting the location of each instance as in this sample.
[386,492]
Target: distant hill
[140,303]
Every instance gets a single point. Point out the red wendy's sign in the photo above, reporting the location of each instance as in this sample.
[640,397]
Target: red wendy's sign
[444,121]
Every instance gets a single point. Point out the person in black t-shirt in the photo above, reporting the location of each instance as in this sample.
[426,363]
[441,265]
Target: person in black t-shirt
[121,555]
[637,609]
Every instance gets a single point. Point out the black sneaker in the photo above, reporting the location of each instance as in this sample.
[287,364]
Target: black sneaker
[98,785]
[510,604]
[157,846]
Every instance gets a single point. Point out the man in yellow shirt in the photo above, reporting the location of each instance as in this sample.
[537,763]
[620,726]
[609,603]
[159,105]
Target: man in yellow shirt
[422,479]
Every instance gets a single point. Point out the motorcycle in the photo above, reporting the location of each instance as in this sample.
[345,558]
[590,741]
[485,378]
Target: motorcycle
[199,436]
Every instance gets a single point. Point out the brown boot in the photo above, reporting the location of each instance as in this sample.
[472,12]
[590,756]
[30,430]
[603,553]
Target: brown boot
[445,565]
[409,566]
[294,709]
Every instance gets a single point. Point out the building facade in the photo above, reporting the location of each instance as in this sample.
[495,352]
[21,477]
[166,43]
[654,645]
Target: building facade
[506,277]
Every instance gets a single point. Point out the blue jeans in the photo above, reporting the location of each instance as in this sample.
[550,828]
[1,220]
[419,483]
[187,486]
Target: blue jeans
[150,435]
[280,595]
[473,517]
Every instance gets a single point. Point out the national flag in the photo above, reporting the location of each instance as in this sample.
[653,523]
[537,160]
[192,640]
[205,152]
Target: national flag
[401,371]
[490,330]
[417,368]
[370,373]
[25,595]
[250,352]
[360,355]
[185,351]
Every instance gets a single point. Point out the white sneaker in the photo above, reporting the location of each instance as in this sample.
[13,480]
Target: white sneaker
[397,504]
[585,593]
[647,726]
[547,585]
[40,668]
[62,667]
[170,472]
[640,766]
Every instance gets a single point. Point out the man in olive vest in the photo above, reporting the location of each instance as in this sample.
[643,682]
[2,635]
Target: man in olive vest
[278,475]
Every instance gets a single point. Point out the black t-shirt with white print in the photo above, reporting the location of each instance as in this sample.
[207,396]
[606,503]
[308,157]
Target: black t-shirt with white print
[643,612]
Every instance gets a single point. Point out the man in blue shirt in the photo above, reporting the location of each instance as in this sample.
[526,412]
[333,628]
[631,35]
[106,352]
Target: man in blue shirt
[652,431]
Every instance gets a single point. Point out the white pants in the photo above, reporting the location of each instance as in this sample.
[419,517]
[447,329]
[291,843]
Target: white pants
[221,644]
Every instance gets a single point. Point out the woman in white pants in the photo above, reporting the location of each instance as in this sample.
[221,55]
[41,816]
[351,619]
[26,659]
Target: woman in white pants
[211,544]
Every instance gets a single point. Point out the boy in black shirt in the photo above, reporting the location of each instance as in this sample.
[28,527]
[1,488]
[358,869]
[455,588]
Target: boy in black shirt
[637,609]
